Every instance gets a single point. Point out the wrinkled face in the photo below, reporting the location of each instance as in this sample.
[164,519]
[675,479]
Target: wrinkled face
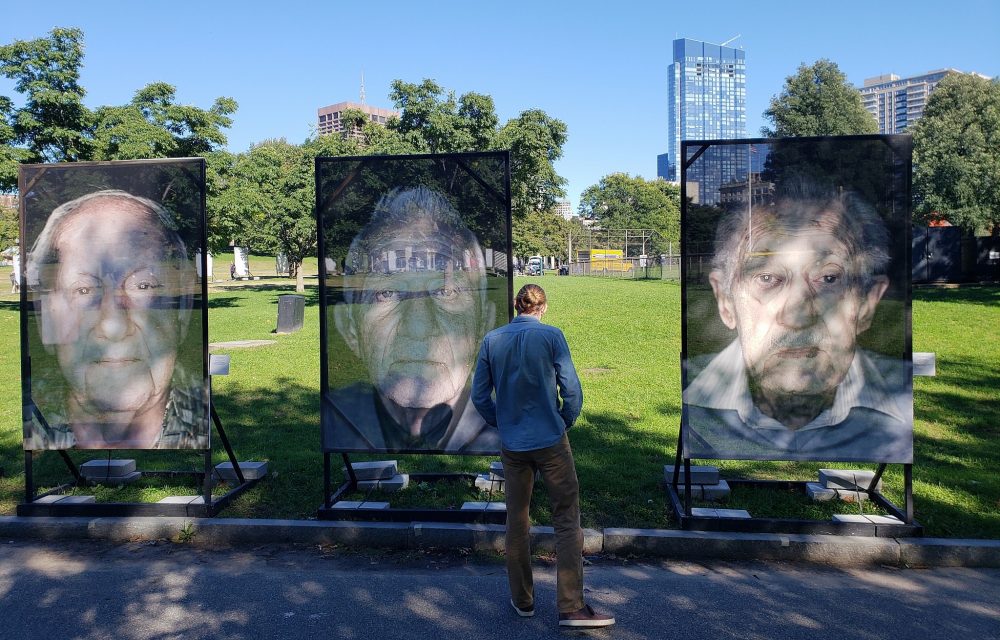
[417,329]
[114,312]
[798,309]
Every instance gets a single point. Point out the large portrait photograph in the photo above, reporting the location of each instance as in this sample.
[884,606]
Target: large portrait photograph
[113,313]
[414,255]
[796,299]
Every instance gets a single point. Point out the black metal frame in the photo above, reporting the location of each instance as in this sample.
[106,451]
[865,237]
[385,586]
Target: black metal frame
[210,507]
[328,512]
[679,497]
[680,503]
[330,496]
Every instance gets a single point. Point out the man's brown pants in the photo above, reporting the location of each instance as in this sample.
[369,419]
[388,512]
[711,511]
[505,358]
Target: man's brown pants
[559,475]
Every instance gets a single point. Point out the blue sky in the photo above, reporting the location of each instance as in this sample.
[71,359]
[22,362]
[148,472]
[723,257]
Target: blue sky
[598,66]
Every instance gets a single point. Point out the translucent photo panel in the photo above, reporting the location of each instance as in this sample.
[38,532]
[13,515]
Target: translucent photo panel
[415,253]
[796,308]
[114,319]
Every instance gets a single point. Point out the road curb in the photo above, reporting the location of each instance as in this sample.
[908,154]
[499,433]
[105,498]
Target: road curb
[843,551]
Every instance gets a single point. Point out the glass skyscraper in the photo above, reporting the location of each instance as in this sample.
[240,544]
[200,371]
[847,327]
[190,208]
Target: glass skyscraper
[706,88]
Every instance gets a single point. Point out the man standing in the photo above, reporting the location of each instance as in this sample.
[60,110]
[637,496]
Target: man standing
[528,365]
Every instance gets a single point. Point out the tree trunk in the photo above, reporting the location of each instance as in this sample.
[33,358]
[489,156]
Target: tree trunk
[300,283]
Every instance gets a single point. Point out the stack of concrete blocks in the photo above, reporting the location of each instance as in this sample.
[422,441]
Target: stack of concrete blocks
[378,474]
[849,485]
[492,481]
[113,473]
[705,482]
[251,471]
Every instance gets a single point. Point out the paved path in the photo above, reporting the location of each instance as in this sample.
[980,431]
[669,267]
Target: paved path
[96,590]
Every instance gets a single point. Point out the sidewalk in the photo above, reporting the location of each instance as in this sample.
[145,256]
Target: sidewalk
[838,551]
[153,591]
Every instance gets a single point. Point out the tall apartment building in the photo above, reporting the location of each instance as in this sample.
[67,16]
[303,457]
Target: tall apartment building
[898,102]
[329,118]
[706,89]
[564,209]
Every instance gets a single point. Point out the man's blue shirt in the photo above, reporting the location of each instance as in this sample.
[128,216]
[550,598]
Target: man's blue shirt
[529,366]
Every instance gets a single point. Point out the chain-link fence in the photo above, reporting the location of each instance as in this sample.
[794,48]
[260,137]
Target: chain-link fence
[662,267]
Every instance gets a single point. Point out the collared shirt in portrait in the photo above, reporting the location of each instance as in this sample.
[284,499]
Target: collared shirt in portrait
[871,418]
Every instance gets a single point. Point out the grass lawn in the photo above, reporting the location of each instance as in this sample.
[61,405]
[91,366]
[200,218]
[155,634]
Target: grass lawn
[625,338]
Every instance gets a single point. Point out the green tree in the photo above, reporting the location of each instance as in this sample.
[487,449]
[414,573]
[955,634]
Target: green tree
[620,201]
[53,124]
[535,141]
[272,200]
[540,233]
[818,101]
[9,230]
[153,125]
[956,154]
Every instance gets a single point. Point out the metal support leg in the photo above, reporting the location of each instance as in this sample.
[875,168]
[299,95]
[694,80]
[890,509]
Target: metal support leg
[687,487]
[207,483]
[350,472]
[225,443]
[908,489]
[876,478]
[327,503]
[29,478]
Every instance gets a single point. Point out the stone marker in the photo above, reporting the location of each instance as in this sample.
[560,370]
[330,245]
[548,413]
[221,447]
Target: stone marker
[716,491]
[486,482]
[182,500]
[924,364]
[699,474]
[375,470]
[114,481]
[291,311]
[100,469]
[865,519]
[395,483]
[251,471]
[496,470]
[354,504]
[819,493]
[484,506]
[702,512]
[847,479]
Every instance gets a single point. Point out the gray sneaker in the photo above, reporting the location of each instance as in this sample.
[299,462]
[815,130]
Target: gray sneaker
[524,613]
[585,618]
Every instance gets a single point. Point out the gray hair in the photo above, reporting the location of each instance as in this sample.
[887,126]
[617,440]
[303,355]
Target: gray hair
[418,216]
[45,252]
[859,228]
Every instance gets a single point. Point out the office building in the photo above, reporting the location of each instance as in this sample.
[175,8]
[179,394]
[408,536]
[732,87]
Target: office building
[564,209]
[329,118]
[706,88]
[898,102]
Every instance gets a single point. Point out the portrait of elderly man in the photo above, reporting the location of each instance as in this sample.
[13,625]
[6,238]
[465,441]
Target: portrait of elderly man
[798,282]
[114,286]
[414,311]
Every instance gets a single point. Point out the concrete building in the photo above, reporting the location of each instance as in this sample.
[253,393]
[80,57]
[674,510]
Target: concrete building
[565,209]
[329,118]
[898,102]
[706,88]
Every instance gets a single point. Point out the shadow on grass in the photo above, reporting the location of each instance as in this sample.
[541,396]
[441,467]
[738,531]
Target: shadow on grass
[311,294]
[973,294]
[225,302]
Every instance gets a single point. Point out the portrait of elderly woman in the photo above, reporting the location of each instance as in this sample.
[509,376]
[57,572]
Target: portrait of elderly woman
[413,310]
[112,286]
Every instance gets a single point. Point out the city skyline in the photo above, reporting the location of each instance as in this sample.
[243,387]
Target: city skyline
[605,75]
